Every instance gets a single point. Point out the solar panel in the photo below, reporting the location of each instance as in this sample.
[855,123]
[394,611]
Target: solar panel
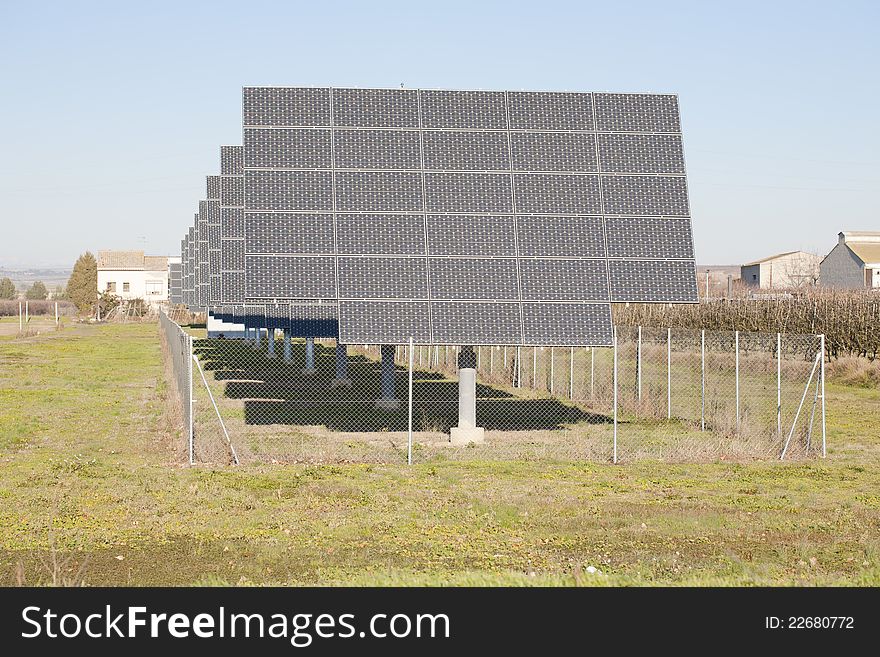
[175,283]
[232,238]
[459,217]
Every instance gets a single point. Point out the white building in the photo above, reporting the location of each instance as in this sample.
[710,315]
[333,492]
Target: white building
[782,271]
[854,262]
[133,275]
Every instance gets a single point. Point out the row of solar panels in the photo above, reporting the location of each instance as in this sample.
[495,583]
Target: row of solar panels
[372,235]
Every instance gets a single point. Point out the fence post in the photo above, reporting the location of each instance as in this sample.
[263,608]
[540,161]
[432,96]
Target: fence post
[703,380]
[518,367]
[20,321]
[189,361]
[409,424]
[571,372]
[27,314]
[736,349]
[669,373]
[822,375]
[778,385]
[56,313]
[593,369]
[534,367]
[639,365]
[614,457]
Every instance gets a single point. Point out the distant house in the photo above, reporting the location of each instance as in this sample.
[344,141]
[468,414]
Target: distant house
[133,275]
[782,271]
[854,262]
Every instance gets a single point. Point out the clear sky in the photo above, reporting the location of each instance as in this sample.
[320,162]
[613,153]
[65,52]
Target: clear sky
[111,113]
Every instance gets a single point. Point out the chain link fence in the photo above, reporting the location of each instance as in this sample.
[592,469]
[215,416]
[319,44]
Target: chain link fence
[678,394]
[177,351]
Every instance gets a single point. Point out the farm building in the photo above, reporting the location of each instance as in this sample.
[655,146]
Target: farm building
[782,271]
[854,262]
[133,275]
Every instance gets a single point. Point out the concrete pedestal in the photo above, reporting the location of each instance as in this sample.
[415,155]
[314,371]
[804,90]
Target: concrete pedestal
[288,354]
[387,401]
[341,380]
[467,430]
[309,369]
[270,343]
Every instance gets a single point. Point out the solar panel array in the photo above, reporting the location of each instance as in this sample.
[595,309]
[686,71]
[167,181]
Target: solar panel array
[456,217]
[175,283]
[231,225]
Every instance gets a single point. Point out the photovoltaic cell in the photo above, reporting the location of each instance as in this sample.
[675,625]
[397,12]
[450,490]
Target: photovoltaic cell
[670,237]
[645,195]
[564,280]
[384,322]
[377,149]
[471,235]
[382,278]
[647,280]
[458,322]
[471,278]
[557,194]
[287,148]
[466,151]
[550,236]
[637,113]
[553,151]
[531,110]
[468,192]
[464,109]
[393,108]
[567,324]
[290,277]
[373,234]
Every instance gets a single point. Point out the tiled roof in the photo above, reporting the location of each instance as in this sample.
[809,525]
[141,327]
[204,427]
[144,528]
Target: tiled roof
[155,263]
[120,259]
[867,252]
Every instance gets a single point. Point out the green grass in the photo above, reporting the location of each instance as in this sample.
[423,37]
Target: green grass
[90,477]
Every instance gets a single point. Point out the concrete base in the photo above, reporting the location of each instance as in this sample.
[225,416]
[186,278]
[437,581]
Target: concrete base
[340,383]
[461,437]
[309,371]
[388,404]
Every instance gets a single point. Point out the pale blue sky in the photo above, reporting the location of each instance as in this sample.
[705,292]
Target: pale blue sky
[113,112]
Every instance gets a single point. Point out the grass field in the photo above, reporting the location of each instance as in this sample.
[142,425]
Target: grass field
[93,491]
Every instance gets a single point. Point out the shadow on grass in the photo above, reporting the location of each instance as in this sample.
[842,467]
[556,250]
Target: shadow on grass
[278,392]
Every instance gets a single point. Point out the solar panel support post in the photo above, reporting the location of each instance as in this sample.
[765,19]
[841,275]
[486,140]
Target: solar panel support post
[258,332]
[491,360]
[552,370]
[270,343]
[571,372]
[387,401]
[341,379]
[288,355]
[310,357]
[467,430]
